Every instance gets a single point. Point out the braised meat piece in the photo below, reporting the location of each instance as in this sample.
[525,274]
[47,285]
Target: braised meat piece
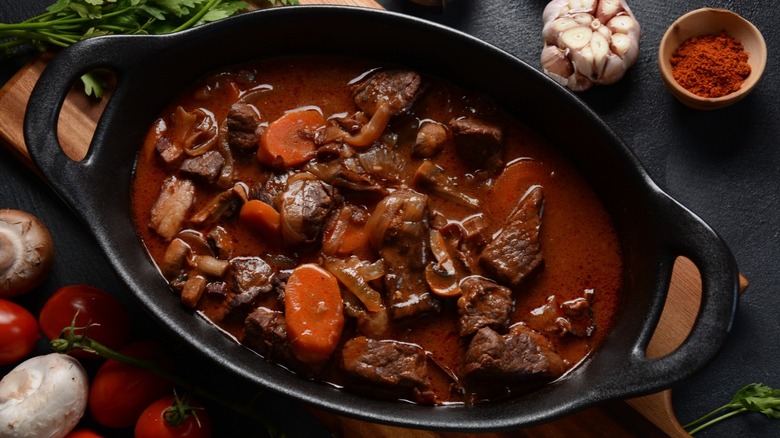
[483,303]
[399,229]
[479,143]
[251,277]
[521,357]
[398,87]
[170,153]
[266,333]
[516,251]
[206,167]
[243,126]
[169,211]
[398,366]
[304,207]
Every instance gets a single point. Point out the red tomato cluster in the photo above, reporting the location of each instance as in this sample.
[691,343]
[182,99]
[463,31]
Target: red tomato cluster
[121,396]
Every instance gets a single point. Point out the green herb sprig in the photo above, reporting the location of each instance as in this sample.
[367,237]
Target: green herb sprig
[67,22]
[755,397]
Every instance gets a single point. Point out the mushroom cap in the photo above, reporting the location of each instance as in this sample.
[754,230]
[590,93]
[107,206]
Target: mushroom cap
[26,252]
[44,396]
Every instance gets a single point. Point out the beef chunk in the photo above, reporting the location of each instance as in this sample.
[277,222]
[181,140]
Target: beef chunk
[479,143]
[483,303]
[265,331]
[170,209]
[390,364]
[521,357]
[516,250]
[243,125]
[170,153]
[399,87]
[399,229]
[304,207]
[251,277]
[204,167]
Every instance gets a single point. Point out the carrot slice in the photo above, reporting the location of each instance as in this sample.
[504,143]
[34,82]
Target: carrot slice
[314,313]
[287,141]
[261,217]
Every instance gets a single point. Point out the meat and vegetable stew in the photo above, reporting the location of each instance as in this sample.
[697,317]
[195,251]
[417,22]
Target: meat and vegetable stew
[377,229]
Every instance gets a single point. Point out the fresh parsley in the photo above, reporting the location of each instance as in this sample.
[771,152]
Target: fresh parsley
[755,397]
[69,21]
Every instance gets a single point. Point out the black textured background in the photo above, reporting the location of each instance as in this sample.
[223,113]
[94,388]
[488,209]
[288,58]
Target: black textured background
[724,165]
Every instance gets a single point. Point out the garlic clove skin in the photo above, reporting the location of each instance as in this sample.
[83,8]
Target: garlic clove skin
[44,396]
[598,38]
[555,63]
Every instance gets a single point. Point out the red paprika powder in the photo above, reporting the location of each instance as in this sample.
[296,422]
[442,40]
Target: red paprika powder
[711,65]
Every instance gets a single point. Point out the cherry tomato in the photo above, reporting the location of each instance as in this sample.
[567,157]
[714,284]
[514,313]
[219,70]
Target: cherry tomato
[152,424]
[18,332]
[120,392]
[83,433]
[111,321]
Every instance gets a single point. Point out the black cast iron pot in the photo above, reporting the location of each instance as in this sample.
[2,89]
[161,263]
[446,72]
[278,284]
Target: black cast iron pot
[151,71]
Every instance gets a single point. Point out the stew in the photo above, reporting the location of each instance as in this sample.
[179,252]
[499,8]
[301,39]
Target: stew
[377,229]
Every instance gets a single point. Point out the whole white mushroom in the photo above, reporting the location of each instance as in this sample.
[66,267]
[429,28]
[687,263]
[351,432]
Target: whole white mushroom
[26,252]
[43,397]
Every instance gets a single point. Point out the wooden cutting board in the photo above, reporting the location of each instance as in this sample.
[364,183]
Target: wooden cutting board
[646,416]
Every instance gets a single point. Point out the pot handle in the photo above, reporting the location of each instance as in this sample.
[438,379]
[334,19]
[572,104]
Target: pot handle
[687,236]
[46,100]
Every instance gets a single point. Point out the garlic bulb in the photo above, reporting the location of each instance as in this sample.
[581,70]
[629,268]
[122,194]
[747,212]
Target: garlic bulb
[588,42]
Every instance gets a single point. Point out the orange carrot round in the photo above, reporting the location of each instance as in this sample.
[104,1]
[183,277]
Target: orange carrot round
[287,141]
[314,313]
[261,217]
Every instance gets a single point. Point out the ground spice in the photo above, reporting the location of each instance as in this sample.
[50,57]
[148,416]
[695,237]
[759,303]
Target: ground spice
[711,65]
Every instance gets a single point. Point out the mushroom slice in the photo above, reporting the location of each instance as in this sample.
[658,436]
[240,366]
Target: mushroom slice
[226,203]
[196,131]
[26,252]
[431,138]
[441,275]
[434,178]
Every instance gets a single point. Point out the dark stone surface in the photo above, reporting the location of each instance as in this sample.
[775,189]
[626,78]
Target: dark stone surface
[724,165]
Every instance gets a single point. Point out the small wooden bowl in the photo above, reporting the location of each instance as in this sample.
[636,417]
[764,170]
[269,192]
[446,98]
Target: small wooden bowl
[707,21]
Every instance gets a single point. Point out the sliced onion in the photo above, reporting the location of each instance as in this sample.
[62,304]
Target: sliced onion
[403,206]
[348,273]
[373,130]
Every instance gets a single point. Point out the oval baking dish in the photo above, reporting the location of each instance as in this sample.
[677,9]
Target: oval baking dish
[151,71]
